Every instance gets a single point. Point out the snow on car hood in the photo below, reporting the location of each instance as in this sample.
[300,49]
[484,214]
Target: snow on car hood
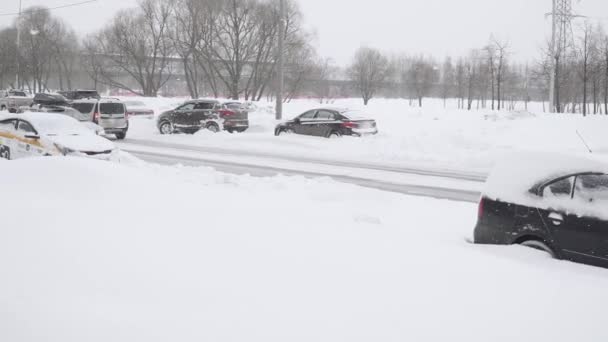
[82,142]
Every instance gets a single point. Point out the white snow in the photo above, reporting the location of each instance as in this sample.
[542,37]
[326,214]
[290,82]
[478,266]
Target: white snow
[431,137]
[95,251]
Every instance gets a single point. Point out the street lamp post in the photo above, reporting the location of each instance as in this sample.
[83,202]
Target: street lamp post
[18,55]
[281,61]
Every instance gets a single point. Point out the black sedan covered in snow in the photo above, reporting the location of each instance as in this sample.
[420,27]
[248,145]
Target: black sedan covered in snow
[551,203]
[195,115]
[329,123]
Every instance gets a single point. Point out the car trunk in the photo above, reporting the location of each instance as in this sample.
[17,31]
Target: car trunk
[112,115]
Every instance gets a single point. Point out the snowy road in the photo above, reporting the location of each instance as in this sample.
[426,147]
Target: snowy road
[442,184]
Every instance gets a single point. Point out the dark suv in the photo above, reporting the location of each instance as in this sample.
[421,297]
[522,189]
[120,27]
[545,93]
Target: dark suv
[195,115]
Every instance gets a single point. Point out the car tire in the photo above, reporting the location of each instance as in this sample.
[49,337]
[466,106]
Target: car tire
[539,245]
[165,128]
[286,131]
[2,109]
[334,135]
[213,127]
[121,136]
[5,152]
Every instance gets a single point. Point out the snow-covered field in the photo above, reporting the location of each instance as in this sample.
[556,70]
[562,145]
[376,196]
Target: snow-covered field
[432,137]
[97,251]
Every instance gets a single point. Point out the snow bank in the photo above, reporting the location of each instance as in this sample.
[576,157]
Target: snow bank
[433,136]
[95,251]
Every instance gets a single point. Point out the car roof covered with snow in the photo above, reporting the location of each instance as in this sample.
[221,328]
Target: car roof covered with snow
[45,121]
[516,176]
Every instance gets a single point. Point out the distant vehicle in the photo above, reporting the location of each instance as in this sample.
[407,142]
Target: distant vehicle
[554,204]
[138,109]
[46,99]
[43,134]
[111,114]
[329,123]
[195,115]
[11,100]
[80,94]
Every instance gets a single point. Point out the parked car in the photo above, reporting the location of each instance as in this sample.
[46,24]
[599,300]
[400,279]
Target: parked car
[239,121]
[193,116]
[80,94]
[11,100]
[555,204]
[43,134]
[329,123]
[138,109]
[47,99]
[111,114]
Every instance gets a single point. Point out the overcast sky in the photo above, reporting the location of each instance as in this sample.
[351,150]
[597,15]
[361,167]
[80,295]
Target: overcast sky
[437,27]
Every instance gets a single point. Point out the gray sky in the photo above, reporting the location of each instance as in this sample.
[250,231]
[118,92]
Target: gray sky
[437,27]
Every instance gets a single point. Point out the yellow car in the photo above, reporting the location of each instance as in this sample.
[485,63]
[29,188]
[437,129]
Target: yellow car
[47,134]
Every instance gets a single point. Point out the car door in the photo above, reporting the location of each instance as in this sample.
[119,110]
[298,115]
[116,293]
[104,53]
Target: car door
[27,140]
[590,202]
[183,116]
[305,122]
[7,139]
[203,112]
[325,120]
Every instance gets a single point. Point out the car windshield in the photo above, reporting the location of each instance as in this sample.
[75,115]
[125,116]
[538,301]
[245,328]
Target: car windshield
[353,114]
[111,108]
[18,93]
[83,107]
[58,124]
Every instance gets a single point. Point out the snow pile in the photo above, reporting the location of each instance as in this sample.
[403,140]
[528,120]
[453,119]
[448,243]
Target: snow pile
[95,251]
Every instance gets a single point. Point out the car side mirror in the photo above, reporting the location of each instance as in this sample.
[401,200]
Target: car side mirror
[32,136]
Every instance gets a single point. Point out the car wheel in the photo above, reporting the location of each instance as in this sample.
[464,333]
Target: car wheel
[121,136]
[3,108]
[5,152]
[334,135]
[539,245]
[166,128]
[213,127]
[286,131]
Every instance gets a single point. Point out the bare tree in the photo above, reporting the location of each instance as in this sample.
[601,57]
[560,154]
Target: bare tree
[368,71]
[138,44]
[448,77]
[421,76]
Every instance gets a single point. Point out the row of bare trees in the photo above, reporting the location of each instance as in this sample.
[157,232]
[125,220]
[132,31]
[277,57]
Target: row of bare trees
[48,48]
[222,47]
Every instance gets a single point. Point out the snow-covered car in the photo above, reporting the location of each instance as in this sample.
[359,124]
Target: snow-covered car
[329,123]
[554,203]
[44,134]
[11,100]
[138,109]
[195,115]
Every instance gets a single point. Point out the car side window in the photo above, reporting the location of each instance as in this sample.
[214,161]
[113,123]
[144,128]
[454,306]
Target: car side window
[308,115]
[25,127]
[186,107]
[591,188]
[204,106]
[7,125]
[561,189]
[325,115]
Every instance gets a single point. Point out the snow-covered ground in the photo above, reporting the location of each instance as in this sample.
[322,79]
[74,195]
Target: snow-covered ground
[96,251]
[432,137]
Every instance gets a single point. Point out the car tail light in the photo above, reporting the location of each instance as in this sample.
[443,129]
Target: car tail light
[480,209]
[350,124]
[226,112]
[128,114]
[96,117]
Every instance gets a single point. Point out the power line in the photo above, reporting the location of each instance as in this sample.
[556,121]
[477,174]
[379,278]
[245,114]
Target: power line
[48,9]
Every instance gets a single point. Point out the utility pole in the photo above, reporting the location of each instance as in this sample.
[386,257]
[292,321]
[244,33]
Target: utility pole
[281,61]
[18,50]
[553,58]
